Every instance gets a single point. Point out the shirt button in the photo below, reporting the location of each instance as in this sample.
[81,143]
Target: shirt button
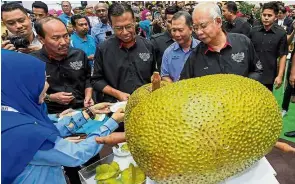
[36,123]
[264,33]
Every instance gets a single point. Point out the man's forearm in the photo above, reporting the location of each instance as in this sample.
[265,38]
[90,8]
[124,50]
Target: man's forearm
[88,92]
[290,37]
[111,91]
[282,66]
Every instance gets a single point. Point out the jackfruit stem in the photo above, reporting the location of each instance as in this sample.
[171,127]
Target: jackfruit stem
[156,81]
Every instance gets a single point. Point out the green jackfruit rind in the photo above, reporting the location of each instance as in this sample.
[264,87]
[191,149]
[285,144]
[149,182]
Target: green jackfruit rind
[203,130]
[140,94]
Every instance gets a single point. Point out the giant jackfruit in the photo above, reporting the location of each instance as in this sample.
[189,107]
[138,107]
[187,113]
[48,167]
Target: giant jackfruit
[203,130]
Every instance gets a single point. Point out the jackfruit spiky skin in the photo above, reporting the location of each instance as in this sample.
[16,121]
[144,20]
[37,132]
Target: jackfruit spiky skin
[140,94]
[203,130]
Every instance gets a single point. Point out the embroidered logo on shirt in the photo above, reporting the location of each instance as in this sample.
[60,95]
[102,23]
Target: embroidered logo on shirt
[144,56]
[259,65]
[175,57]
[238,57]
[77,65]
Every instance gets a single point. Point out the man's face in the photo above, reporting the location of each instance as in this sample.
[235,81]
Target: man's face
[39,13]
[293,13]
[163,14]
[180,4]
[56,39]
[77,11]
[101,12]
[17,22]
[149,16]
[226,14]
[66,7]
[89,10]
[81,27]
[123,26]
[180,31]
[169,22]
[281,15]
[268,17]
[205,27]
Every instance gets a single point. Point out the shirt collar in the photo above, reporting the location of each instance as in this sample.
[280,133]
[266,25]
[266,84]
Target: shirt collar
[272,28]
[193,45]
[121,44]
[79,38]
[50,57]
[227,44]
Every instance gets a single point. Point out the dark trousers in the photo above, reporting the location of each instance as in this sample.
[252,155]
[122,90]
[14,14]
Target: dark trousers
[72,172]
[288,92]
[269,86]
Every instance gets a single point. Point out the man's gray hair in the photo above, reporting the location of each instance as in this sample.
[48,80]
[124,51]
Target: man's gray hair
[212,8]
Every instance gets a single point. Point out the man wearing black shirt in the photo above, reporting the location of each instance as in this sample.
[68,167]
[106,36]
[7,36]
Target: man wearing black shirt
[219,52]
[67,69]
[234,24]
[270,42]
[125,61]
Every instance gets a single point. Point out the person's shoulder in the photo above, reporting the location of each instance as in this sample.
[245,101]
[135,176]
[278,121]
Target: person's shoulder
[75,52]
[143,40]
[108,43]
[158,35]
[279,29]
[237,36]
[170,48]
[257,27]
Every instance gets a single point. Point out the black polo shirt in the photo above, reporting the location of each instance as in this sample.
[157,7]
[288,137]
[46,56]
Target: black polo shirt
[121,68]
[237,57]
[239,25]
[72,74]
[269,46]
[161,42]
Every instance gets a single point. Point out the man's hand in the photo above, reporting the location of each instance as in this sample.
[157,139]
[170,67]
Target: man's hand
[88,101]
[29,49]
[112,139]
[118,116]
[91,57]
[62,97]
[278,82]
[7,45]
[101,108]
[123,96]
[292,79]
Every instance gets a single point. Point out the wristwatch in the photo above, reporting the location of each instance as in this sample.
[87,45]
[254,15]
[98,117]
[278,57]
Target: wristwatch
[47,98]
[90,114]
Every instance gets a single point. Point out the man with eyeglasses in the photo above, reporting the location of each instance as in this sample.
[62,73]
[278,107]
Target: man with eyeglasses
[123,62]
[219,52]
[103,29]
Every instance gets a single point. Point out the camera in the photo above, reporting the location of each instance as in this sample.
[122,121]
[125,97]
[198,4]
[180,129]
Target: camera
[19,42]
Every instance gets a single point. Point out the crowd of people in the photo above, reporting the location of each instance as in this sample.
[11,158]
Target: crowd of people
[89,57]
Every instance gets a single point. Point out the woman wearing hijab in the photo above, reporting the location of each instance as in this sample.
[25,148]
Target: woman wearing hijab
[146,24]
[33,150]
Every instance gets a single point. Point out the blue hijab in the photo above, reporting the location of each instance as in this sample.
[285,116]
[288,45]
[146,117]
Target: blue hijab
[25,132]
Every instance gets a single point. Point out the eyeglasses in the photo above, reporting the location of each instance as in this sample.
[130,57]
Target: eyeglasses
[202,26]
[128,27]
[100,11]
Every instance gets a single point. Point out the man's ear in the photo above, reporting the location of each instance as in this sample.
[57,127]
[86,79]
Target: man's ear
[40,39]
